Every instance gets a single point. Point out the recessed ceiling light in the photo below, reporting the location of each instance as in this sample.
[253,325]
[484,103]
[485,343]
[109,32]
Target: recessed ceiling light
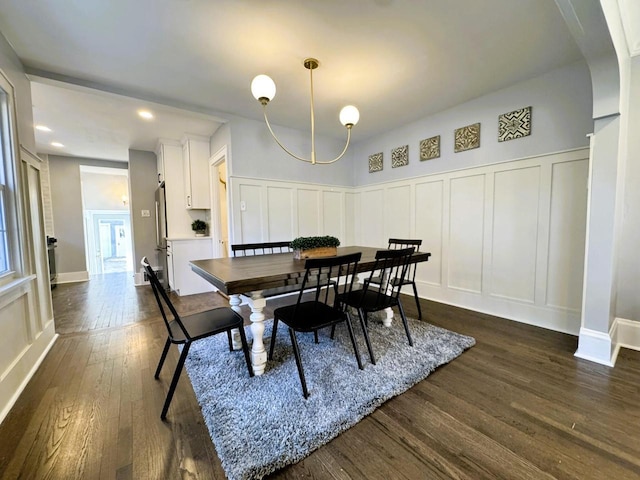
[57,144]
[146,114]
[43,128]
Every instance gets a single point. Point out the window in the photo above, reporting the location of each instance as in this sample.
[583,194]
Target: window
[8,214]
[4,250]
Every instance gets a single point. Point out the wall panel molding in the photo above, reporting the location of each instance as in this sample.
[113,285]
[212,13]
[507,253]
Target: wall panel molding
[506,238]
[273,210]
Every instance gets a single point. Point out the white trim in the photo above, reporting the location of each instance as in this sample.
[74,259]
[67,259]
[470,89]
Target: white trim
[15,288]
[218,158]
[32,159]
[104,170]
[578,151]
[628,333]
[71,277]
[9,405]
[598,347]
[259,181]
[558,319]
[192,136]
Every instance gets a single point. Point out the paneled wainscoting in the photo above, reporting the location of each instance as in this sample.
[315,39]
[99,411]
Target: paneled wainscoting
[506,239]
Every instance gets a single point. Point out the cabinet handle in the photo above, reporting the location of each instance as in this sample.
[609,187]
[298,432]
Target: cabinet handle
[188,200]
[159,178]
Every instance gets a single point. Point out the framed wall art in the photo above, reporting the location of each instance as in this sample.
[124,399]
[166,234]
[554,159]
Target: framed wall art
[514,124]
[430,148]
[400,156]
[467,138]
[375,162]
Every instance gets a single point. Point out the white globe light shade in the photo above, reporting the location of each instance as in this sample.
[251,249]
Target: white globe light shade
[349,115]
[263,87]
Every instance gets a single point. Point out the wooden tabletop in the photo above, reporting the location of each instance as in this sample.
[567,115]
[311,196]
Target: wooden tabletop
[236,275]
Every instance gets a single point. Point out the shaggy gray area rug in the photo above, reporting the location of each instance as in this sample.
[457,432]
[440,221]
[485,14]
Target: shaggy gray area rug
[261,424]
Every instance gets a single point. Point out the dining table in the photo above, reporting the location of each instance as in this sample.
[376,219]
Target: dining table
[251,280]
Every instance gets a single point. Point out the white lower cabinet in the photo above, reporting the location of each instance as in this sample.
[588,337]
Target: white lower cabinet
[180,252]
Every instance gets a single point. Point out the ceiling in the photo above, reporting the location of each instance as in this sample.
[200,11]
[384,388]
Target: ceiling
[193,61]
[95,124]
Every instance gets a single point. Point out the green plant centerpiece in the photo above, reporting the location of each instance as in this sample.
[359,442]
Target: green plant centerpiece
[200,227]
[314,247]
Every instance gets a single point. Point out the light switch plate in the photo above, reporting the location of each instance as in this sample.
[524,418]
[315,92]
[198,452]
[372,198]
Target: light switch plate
[243,206]
[145,213]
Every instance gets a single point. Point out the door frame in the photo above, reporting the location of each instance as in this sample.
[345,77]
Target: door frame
[217,159]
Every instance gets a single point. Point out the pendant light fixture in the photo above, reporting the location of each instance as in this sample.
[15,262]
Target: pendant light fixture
[263,89]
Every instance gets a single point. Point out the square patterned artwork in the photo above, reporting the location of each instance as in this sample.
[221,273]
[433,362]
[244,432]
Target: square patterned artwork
[400,156]
[375,162]
[514,124]
[467,138]
[430,148]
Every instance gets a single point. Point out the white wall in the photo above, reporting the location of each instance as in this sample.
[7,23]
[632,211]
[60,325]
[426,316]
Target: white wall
[255,154]
[560,119]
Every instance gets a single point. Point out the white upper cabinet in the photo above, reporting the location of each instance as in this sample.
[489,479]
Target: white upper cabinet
[195,158]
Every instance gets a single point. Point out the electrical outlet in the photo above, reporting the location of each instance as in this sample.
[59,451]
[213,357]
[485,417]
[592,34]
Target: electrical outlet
[145,213]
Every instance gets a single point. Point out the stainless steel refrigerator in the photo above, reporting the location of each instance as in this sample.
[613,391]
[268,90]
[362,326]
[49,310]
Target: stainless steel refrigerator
[161,236]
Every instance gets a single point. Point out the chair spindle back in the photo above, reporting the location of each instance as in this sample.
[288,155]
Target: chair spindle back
[162,297]
[400,243]
[392,266]
[267,248]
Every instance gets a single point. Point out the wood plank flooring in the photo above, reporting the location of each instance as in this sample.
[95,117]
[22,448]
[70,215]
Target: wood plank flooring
[518,405]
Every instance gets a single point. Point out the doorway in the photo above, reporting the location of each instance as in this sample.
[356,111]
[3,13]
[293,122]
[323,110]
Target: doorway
[218,178]
[108,242]
[107,220]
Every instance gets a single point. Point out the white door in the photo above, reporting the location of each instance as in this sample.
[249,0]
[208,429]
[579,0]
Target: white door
[104,248]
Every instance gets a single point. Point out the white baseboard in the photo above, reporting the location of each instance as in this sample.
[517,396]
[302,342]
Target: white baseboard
[543,316]
[628,333]
[71,277]
[597,346]
[138,279]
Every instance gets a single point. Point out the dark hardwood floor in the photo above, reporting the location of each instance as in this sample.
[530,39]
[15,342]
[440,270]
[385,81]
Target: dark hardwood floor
[518,405]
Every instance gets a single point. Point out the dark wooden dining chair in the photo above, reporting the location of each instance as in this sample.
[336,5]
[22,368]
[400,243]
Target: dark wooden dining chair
[381,290]
[266,248]
[410,279]
[190,328]
[323,278]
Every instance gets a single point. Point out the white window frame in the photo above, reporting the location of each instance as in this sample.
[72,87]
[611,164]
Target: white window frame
[9,181]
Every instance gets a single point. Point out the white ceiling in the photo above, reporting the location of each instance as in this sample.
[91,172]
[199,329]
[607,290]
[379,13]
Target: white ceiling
[396,60]
[96,124]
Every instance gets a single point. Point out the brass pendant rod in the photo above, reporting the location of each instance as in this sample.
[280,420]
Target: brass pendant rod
[343,151]
[264,110]
[311,64]
[313,123]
